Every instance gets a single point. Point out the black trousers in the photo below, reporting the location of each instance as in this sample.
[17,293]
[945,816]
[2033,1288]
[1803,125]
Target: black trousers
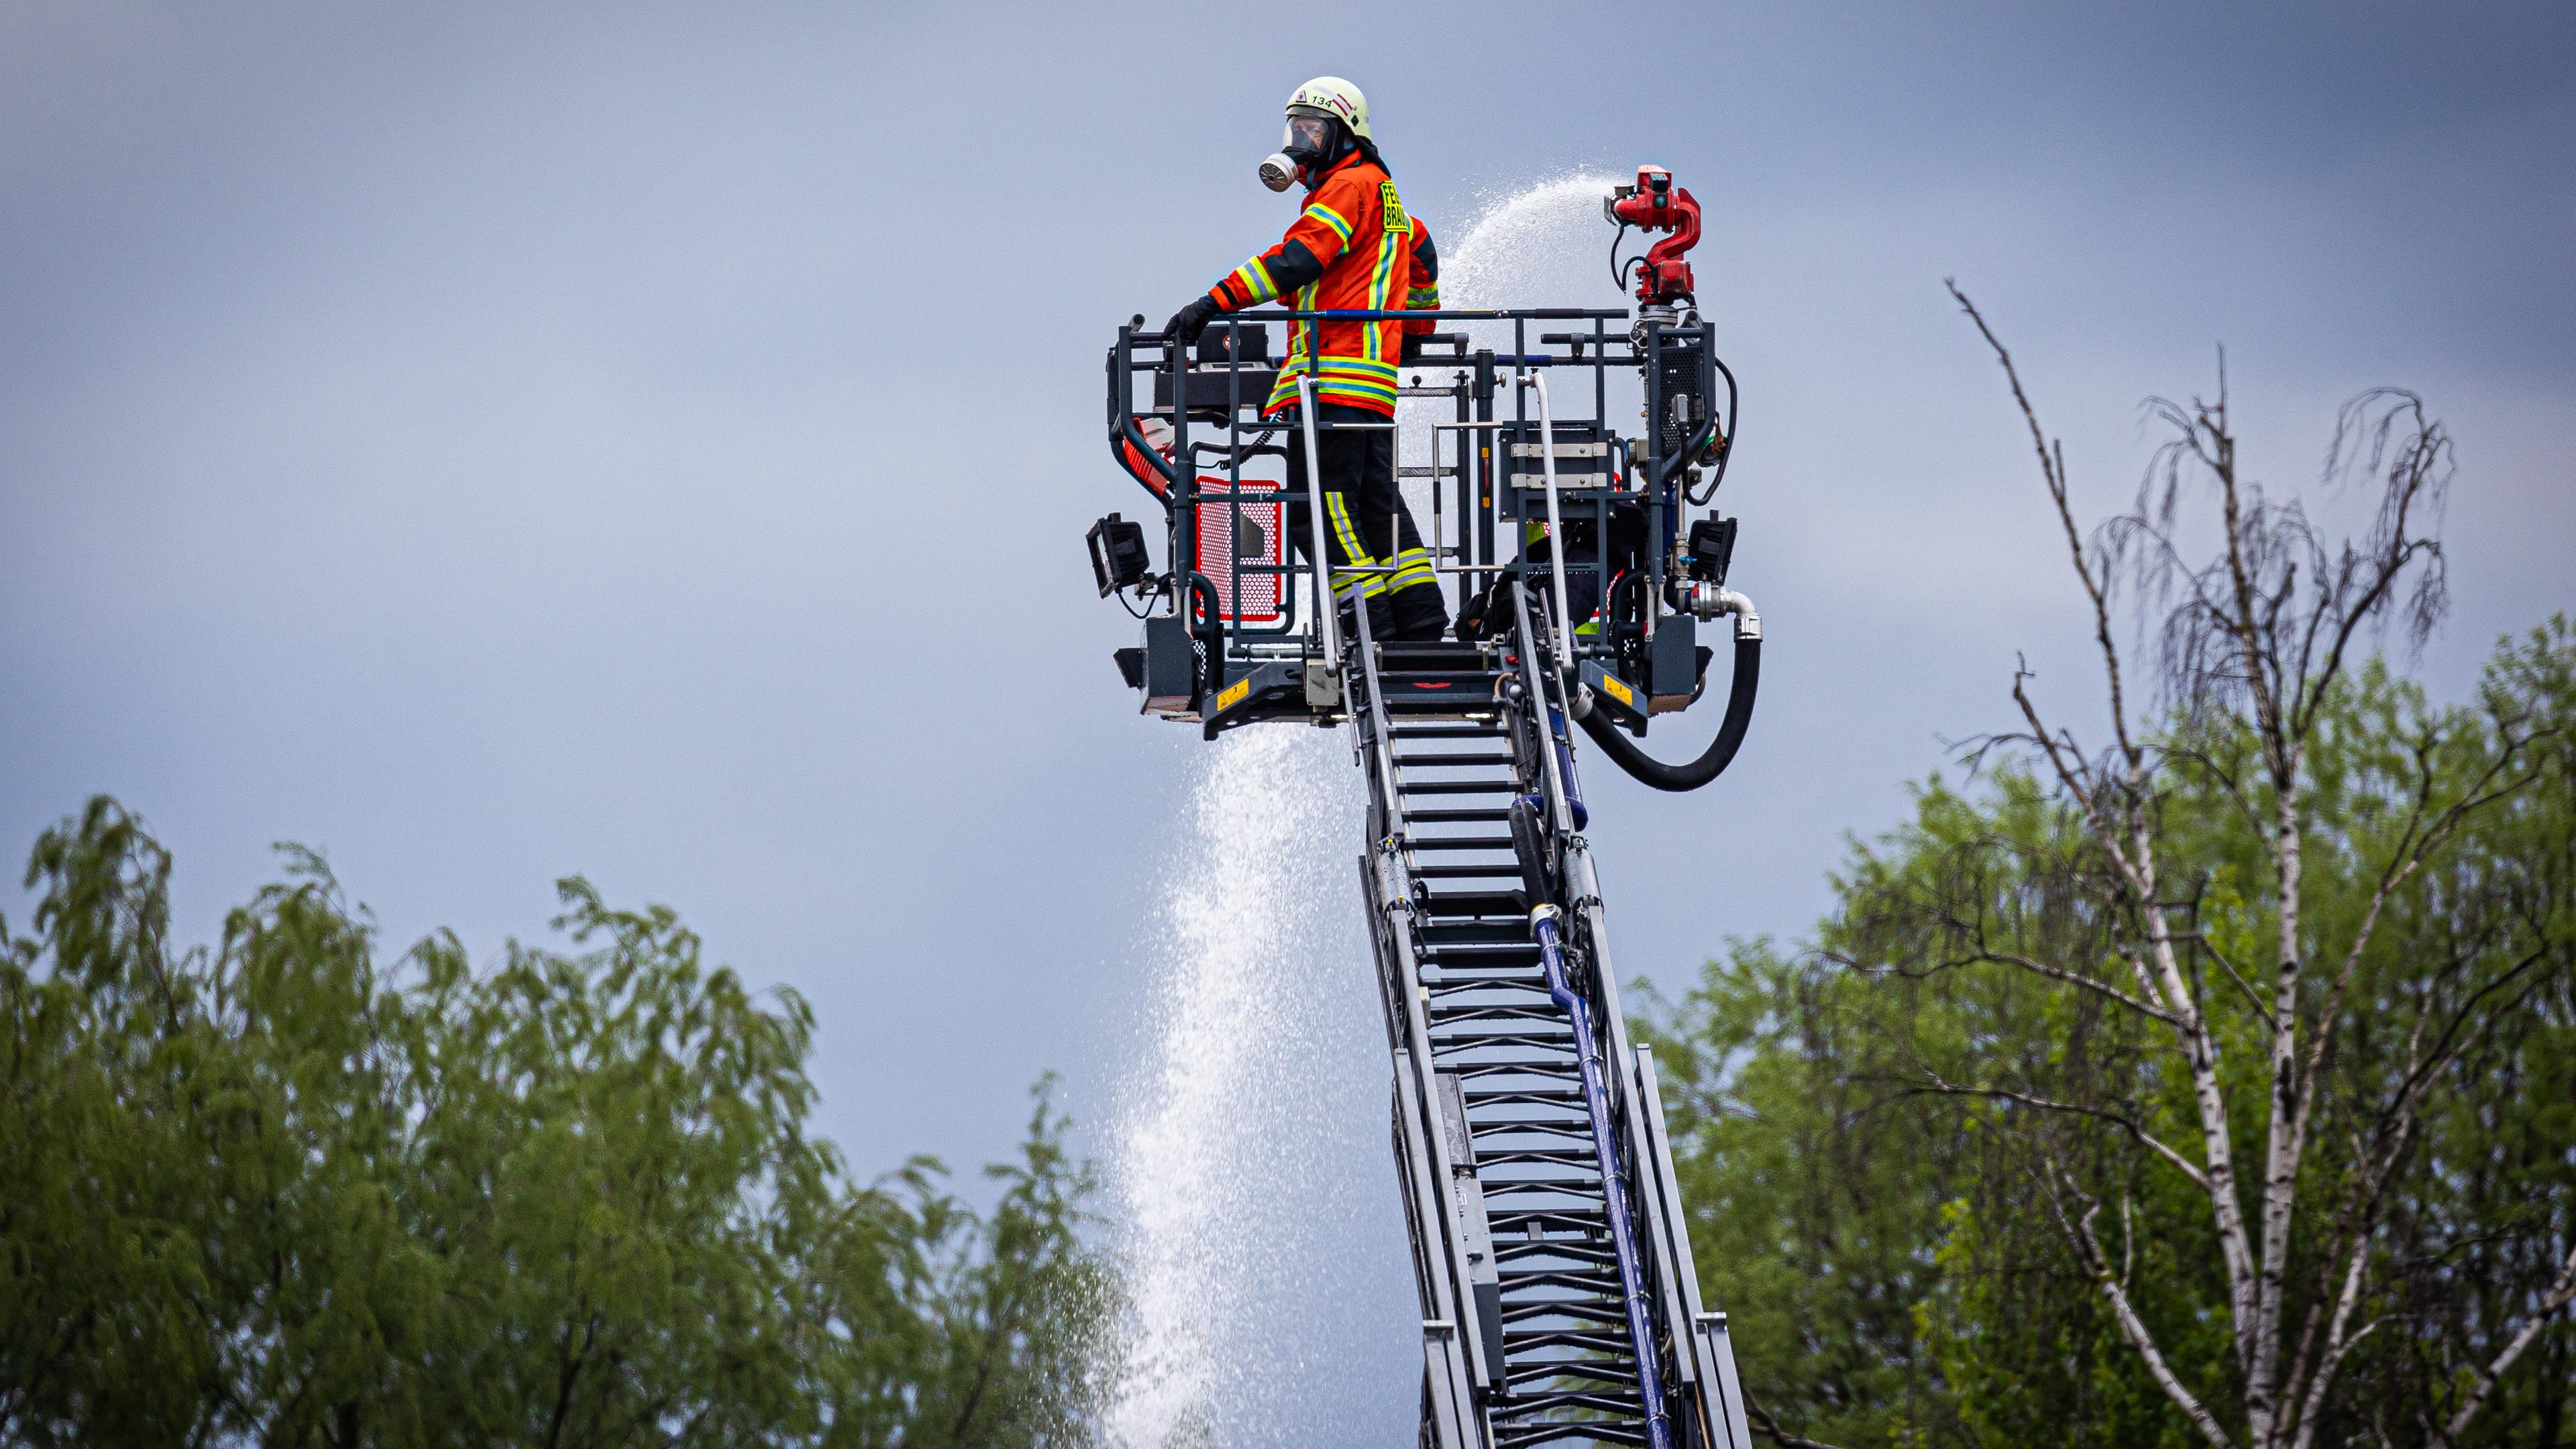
[1369,526]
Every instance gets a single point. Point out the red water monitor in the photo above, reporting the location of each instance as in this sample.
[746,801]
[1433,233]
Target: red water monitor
[1655,204]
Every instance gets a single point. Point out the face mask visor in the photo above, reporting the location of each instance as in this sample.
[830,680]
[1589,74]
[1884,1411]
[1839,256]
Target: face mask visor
[1308,138]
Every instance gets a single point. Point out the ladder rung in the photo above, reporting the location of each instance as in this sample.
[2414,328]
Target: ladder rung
[1478,903]
[1535,1096]
[1567,1123]
[1536,1029]
[1522,1010]
[1572,1339]
[1443,993]
[1571,1220]
[1506,1126]
[1559,1065]
[1542,1159]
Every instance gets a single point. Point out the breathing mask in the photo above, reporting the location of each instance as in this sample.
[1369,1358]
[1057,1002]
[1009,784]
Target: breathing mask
[1311,141]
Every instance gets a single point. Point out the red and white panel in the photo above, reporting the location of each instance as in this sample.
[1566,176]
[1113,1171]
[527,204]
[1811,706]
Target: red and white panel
[1260,531]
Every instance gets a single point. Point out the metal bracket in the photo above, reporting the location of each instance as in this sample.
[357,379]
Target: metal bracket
[1323,687]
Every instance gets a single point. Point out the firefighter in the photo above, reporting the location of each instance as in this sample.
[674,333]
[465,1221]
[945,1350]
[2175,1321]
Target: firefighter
[1354,246]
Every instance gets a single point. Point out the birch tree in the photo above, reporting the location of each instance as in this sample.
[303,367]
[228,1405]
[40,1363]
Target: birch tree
[1888,1245]
[2229,1056]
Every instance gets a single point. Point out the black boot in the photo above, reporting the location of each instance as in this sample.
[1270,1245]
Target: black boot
[1417,614]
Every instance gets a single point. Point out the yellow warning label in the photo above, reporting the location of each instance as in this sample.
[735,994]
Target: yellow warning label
[1232,695]
[1619,691]
[1396,220]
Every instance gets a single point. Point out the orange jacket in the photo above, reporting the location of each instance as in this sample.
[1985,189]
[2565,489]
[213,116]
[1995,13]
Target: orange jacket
[1353,247]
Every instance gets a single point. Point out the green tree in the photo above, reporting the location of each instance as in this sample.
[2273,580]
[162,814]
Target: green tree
[1890,1249]
[2209,1086]
[276,1192]
[1815,1197]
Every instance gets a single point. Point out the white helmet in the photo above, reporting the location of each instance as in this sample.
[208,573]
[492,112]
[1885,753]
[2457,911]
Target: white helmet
[1333,96]
[1307,144]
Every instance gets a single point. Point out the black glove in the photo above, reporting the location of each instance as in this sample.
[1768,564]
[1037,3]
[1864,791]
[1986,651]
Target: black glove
[1190,321]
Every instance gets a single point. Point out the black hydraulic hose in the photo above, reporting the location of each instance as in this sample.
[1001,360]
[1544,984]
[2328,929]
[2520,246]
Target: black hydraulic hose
[1726,445]
[1699,438]
[1712,762]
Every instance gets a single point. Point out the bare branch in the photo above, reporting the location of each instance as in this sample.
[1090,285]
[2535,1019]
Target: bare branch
[2213,953]
[2558,1296]
[2052,469]
[2325,1377]
[1769,1427]
[2355,1226]
[2415,847]
[2153,1143]
[2417,474]
[2071,978]
[2088,1247]
[2062,756]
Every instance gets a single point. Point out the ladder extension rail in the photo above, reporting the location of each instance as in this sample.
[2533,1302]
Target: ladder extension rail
[1557,1289]
[1623,1232]
[1454,1359]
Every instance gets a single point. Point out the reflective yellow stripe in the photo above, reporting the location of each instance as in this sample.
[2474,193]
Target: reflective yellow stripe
[1331,218]
[1413,566]
[1254,279]
[1347,532]
[1381,282]
[1340,379]
[1369,585]
[1341,369]
[1305,302]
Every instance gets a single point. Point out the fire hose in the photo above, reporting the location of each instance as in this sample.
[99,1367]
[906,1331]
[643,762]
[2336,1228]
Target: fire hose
[1712,762]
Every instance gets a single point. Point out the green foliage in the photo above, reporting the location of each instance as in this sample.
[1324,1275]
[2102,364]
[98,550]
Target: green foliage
[1814,1204]
[1866,1161]
[278,1192]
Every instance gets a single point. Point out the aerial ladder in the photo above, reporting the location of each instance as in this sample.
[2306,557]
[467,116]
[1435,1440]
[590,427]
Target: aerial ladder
[1551,1253]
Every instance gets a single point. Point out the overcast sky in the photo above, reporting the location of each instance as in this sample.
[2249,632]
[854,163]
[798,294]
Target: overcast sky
[492,443]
